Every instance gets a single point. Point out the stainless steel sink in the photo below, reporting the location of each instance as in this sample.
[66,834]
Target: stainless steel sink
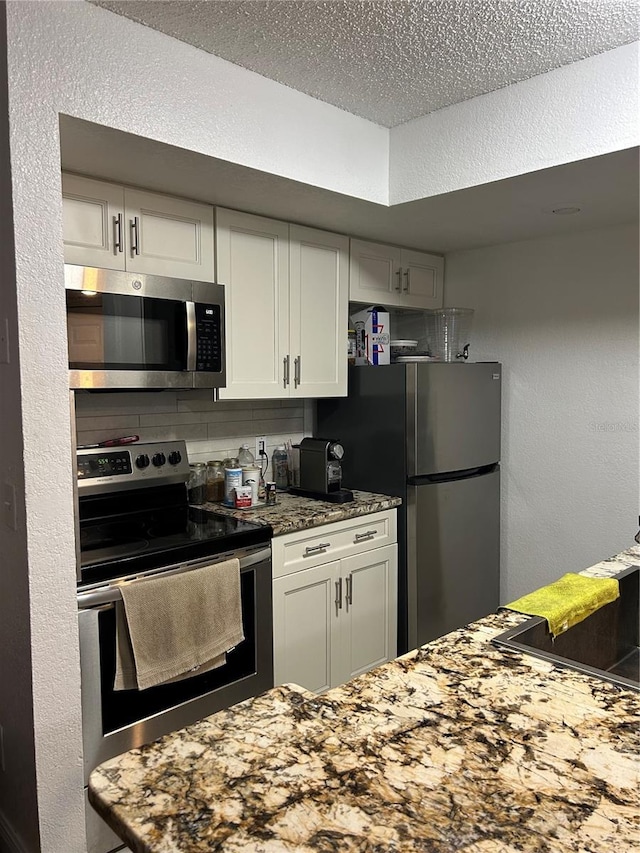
[604,645]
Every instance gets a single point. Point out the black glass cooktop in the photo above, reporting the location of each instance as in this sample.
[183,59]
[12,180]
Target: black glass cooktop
[143,530]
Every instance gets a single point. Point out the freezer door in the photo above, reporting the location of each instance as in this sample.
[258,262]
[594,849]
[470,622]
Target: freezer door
[453,543]
[453,416]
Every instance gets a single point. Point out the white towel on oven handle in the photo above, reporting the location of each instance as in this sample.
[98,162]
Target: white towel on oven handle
[170,627]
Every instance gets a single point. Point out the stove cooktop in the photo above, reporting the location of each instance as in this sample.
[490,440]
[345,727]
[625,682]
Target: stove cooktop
[153,538]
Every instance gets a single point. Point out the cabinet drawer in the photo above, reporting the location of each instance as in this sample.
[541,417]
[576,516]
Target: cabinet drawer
[307,548]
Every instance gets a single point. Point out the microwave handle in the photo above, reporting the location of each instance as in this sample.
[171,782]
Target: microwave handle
[192,335]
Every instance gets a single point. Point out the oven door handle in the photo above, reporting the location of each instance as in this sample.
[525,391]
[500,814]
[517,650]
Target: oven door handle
[108,595]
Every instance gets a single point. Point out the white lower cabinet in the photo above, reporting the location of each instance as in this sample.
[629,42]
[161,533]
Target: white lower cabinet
[337,618]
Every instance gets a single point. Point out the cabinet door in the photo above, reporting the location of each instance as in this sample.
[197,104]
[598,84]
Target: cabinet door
[93,223]
[169,236]
[422,278]
[374,274]
[305,635]
[369,626]
[253,264]
[319,307]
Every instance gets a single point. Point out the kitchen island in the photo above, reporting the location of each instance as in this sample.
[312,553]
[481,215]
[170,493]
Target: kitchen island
[456,746]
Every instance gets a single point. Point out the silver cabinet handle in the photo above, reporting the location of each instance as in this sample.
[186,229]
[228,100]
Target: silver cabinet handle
[362,537]
[135,236]
[399,274]
[339,595]
[348,595]
[407,272]
[316,549]
[285,375]
[296,371]
[118,245]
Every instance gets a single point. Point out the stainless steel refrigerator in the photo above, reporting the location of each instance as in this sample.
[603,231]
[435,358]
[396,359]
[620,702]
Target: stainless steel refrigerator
[429,433]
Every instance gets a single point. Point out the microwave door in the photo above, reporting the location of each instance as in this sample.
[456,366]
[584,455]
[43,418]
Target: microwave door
[122,341]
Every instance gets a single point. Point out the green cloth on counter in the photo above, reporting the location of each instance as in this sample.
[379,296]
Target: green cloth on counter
[568,600]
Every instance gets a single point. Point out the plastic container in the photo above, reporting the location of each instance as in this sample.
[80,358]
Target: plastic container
[251,478]
[246,459]
[215,481]
[197,484]
[232,481]
[294,465]
[280,467]
[448,333]
[351,346]
[404,347]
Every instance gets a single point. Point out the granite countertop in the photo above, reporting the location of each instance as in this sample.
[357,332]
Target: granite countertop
[292,512]
[456,746]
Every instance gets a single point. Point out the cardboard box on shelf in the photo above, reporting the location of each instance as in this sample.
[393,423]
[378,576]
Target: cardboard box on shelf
[372,335]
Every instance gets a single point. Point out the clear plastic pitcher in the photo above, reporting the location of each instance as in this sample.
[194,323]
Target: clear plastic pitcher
[448,333]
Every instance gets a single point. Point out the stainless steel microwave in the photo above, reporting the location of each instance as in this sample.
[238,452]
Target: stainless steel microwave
[129,330]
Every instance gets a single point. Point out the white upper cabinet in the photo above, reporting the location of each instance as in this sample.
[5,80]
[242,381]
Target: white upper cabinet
[93,223]
[395,277]
[169,236]
[319,308]
[253,264]
[106,225]
[286,307]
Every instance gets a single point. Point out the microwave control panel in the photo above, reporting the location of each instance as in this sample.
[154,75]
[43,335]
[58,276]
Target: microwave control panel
[209,338]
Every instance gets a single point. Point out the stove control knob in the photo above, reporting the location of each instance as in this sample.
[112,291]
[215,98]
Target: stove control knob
[142,461]
[159,459]
[175,457]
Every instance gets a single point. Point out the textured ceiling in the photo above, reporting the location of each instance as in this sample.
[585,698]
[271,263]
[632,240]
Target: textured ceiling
[391,61]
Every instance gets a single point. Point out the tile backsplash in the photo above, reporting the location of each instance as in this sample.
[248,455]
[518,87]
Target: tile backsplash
[211,430]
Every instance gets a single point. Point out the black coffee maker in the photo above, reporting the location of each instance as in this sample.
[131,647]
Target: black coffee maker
[321,471]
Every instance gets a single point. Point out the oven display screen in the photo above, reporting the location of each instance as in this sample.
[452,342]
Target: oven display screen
[103,464]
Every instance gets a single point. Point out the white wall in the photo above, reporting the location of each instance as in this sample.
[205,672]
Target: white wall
[571,113]
[562,316]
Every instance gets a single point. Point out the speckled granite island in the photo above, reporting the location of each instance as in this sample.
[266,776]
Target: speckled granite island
[292,512]
[459,746]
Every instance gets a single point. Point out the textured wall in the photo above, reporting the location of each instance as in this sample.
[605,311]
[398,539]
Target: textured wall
[562,316]
[571,113]
[17,783]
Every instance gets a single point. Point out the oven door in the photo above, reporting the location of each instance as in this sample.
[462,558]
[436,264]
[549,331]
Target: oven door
[116,721]
[141,331]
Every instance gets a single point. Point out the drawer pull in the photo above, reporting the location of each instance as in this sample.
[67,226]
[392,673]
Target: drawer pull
[362,537]
[316,549]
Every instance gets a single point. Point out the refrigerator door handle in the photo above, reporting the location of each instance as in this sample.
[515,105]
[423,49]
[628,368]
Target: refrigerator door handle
[451,476]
